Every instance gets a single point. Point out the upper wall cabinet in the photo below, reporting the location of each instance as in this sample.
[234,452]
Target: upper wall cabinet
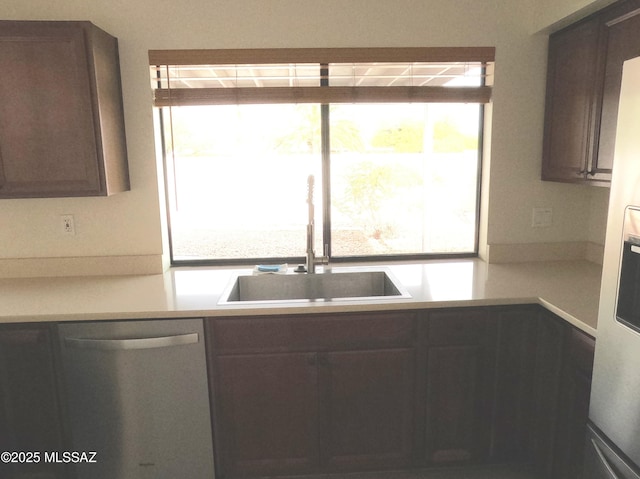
[583,88]
[572,103]
[61,114]
[621,28]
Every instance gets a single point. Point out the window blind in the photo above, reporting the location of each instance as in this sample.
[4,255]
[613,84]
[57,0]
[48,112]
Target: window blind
[370,75]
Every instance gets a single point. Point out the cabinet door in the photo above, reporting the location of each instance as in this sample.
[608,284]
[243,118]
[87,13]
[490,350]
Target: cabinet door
[367,409]
[460,383]
[622,32]
[47,137]
[573,414]
[549,342]
[30,419]
[266,408]
[61,114]
[572,102]
[514,383]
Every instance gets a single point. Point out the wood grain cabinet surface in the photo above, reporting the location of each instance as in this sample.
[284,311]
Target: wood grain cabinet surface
[460,373]
[61,113]
[575,390]
[547,380]
[572,103]
[583,90]
[326,393]
[516,358]
[30,412]
[347,392]
[620,26]
[562,387]
[266,420]
[367,408]
[314,393]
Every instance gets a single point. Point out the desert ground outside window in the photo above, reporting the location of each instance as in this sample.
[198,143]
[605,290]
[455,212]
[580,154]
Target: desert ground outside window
[395,148]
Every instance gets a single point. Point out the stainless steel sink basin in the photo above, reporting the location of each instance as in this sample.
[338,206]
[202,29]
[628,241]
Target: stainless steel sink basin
[326,286]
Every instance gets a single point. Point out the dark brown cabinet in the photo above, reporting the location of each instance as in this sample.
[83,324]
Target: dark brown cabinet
[313,393]
[366,408]
[620,26]
[267,420]
[61,113]
[572,104]
[30,418]
[460,375]
[507,384]
[583,89]
[549,356]
[324,393]
[516,360]
[560,408]
[573,411]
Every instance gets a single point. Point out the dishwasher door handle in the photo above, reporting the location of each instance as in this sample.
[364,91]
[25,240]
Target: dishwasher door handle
[133,343]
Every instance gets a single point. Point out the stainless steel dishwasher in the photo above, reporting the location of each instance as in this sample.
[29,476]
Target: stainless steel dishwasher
[137,397]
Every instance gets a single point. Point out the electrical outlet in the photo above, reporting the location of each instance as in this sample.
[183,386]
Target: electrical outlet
[68,226]
[541,217]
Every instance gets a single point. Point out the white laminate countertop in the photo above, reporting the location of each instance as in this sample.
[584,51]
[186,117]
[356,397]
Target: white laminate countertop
[570,289]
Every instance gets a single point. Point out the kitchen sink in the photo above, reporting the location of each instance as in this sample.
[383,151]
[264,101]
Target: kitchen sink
[327,286]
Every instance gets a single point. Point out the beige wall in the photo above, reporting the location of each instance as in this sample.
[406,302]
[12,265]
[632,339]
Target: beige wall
[128,226]
[551,15]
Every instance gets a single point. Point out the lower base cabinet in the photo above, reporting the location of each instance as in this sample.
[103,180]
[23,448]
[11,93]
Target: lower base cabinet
[573,410]
[306,394]
[545,408]
[459,375]
[367,408]
[267,413]
[323,393]
[375,391]
[515,369]
[30,414]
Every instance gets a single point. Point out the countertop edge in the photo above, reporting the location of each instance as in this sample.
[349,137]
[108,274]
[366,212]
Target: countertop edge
[303,309]
[569,318]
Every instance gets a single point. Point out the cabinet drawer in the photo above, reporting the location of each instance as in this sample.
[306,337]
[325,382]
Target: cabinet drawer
[311,332]
[458,326]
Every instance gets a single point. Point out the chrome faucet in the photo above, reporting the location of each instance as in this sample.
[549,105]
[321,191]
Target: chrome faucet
[312,260]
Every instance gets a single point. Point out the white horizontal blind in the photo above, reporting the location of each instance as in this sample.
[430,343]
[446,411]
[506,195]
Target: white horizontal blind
[179,81]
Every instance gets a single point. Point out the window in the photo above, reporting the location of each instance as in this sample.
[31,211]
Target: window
[393,138]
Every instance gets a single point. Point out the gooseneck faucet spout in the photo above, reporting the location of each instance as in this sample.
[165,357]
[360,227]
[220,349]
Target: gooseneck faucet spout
[312,260]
